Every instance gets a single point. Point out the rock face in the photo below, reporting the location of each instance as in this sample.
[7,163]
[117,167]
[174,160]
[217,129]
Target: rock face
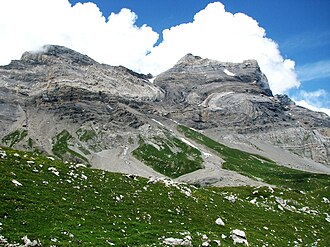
[59,89]
[226,99]
[62,102]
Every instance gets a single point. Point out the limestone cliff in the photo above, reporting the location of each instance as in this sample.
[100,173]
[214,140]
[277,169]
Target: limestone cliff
[57,99]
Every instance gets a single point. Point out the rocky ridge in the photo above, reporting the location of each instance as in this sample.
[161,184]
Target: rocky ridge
[226,99]
[60,100]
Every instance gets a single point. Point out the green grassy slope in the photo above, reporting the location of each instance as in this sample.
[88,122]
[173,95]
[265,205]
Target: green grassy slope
[68,205]
[14,137]
[169,156]
[61,148]
[259,167]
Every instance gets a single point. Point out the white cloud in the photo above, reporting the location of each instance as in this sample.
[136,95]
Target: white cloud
[305,104]
[29,24]
[217,34]
[312,71]
[313,95]
[214,33]
[315,100]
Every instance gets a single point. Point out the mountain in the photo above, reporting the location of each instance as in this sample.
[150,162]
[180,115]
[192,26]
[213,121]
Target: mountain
[233,101]
[63,103]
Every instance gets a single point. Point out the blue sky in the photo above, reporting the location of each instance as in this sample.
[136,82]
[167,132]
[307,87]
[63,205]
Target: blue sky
[275,32]
[301,29]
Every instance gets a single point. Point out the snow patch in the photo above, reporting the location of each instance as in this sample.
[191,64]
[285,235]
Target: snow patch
[193,146]
[188,143]
[227,72]
[158,122]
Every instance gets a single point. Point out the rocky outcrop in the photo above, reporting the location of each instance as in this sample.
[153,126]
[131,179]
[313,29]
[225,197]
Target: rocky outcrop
[49,72]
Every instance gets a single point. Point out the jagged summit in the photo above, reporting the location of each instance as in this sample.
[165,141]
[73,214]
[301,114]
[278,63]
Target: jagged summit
[188,59]
[199,70]
[53,53]
[54,69]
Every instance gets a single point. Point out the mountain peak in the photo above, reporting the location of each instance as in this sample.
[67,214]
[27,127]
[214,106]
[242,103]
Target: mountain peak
[188,59]
[55,53]
[195,70]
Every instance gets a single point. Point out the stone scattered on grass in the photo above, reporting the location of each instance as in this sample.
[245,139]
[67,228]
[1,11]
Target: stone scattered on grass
[254,200]
[109,242]
[219,222]
[131,176]
[206,243]
[186,241]
[16,183]
[231,198]
[327,217]
[28,242]
[80,165]
[3,154]
[184,188]
[239,237]
[217,242]
[325,200]
[3,240]
[54,171]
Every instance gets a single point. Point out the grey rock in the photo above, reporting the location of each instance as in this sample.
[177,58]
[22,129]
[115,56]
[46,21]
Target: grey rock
[58,89]
[235,99]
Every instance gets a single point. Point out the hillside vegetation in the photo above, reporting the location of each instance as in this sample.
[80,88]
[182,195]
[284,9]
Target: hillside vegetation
[258,167]
[169,156]
[66,204]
